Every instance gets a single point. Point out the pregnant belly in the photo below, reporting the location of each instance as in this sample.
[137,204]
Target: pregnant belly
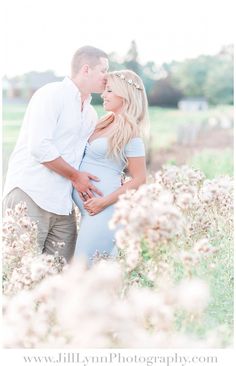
[109,181]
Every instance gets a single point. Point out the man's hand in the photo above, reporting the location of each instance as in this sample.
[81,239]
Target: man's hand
[80,180]
[83,185]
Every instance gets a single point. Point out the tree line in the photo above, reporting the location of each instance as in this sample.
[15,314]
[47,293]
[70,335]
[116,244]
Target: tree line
[208,76]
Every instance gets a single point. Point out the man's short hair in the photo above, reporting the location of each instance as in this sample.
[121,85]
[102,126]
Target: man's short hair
[86,55]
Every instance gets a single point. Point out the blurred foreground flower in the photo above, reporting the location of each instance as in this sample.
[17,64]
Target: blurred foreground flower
[95,312]
[171,234]
[23,264]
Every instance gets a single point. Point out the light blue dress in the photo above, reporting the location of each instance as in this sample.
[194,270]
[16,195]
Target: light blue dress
[94,235]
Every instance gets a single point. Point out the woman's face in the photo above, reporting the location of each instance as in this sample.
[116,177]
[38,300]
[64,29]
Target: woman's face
[111,102]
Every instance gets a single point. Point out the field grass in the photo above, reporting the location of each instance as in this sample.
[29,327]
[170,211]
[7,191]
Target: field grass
[164,124]
[213,163]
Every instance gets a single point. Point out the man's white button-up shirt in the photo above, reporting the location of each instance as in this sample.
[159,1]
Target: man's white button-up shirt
[54,126]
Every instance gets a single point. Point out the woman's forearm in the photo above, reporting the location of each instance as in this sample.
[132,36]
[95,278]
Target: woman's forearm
[134,183]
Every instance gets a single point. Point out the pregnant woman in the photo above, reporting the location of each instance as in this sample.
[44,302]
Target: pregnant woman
[115,144]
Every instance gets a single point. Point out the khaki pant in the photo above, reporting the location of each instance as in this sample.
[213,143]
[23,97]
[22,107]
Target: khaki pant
[51,227]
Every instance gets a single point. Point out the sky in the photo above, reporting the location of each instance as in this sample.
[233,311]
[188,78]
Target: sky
[44,34]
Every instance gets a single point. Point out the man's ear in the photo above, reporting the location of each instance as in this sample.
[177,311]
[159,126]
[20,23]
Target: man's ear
[85,69]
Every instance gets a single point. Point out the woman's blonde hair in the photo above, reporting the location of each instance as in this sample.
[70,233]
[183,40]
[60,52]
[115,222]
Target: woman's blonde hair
[133,120]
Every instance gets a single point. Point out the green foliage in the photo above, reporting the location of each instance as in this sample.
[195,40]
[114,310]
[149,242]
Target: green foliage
[97,99]
[190,76]
[131,59]
[140,279]
[206,76]
[164,93]
[219,84]
[214,163]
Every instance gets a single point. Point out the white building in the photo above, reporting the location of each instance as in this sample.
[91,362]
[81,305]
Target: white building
[193,104]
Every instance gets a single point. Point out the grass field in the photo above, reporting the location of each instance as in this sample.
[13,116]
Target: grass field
[213,162]
[164,125]
[164,122]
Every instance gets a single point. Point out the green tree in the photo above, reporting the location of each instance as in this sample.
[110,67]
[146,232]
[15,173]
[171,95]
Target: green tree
[208,76]
[131,59]
[190,76]
[164,94]
[149,74]
[219,88]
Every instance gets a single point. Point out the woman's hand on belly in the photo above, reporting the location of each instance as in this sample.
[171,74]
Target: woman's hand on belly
[95,205]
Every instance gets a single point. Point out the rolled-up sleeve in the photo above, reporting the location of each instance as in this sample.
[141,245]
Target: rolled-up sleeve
[43,113]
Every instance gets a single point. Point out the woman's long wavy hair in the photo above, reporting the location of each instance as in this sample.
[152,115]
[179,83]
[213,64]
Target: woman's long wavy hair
[133,120]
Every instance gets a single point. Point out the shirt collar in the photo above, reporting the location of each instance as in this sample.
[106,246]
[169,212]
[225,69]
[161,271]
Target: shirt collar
[74,89]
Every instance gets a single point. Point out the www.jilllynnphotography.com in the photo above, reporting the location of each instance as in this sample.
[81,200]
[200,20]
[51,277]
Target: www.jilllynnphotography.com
[117,182]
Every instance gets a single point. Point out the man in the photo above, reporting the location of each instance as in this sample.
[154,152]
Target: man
[43,166]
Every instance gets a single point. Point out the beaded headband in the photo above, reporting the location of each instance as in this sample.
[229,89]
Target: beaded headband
[129,81]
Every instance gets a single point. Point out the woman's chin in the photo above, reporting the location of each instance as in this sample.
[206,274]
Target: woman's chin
[107,109]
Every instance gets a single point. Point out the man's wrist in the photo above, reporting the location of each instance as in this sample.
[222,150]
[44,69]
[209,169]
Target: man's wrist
[74,176]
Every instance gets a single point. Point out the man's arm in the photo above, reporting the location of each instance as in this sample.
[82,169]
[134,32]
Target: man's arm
[43,113]
[80,180]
